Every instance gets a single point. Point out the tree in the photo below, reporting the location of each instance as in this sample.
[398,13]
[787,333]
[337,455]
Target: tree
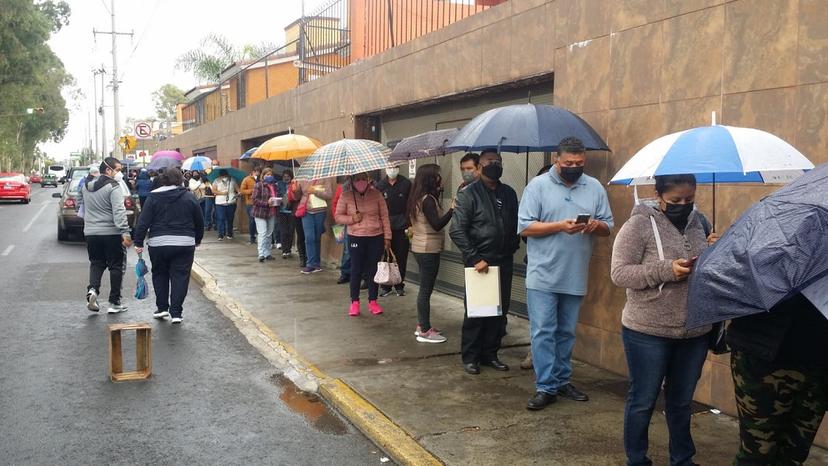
[215,54]
[31,76]
[166,98]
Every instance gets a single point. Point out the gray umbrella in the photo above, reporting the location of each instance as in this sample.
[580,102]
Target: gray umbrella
[160,163]
[775,250]
[428,144]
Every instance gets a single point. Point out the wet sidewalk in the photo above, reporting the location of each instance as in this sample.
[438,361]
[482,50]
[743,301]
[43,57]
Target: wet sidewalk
[459,418]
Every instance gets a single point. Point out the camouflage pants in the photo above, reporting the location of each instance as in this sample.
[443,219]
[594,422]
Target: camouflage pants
[780,410]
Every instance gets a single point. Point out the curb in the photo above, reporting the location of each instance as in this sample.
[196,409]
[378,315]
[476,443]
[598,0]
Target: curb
[375,425]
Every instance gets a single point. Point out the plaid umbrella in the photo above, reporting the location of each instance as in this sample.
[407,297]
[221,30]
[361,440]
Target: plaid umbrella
[428,144]
[344,157]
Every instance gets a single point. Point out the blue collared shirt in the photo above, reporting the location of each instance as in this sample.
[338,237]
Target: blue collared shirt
[559,263]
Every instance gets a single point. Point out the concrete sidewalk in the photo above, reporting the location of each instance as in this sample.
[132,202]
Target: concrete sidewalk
[459,418]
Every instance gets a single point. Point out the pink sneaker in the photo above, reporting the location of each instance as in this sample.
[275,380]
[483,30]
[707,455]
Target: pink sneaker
[374,307]
[354,311]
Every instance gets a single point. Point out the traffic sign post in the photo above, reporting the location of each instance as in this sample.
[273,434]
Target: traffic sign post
[143,130]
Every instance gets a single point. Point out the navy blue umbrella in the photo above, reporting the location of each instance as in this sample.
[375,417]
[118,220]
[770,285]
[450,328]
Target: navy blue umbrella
[774,250]
[525,128]
[248,153]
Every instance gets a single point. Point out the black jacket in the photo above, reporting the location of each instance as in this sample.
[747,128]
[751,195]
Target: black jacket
[174,212]
[396,197]
[482,231]
[793,333]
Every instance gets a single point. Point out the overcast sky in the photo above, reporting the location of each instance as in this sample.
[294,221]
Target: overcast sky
[163,30]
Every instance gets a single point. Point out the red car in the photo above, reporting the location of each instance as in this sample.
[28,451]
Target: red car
[35,178]
[13,186]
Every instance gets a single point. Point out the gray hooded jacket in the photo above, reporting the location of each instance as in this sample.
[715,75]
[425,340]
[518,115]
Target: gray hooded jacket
[103,203]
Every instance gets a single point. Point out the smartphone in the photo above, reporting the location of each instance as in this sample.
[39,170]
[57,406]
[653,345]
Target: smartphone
[691,262]
[582,219]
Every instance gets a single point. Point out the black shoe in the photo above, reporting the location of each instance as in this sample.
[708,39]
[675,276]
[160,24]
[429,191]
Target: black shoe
[364,285]
[496,364]
[270,258]
[385,293]
[286,255]
[400,291]
[569,391]
[471,368]
[540,401]
[261,259]
[342,280]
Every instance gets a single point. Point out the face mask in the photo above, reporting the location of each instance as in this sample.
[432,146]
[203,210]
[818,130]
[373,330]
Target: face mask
[361,186]
[678,213]
[119,176]
[269,179]
[571,174]
[392,172]
[493,171]
[468,177]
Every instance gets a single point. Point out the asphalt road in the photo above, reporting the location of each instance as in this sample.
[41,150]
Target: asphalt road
[212,398]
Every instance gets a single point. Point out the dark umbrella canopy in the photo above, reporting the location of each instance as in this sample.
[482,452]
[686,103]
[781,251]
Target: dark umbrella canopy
[775,250]
[525,128]
[428,144]
[163,163]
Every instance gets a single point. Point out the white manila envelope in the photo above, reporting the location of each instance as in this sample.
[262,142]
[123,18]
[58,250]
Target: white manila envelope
[817,294]
[483,293]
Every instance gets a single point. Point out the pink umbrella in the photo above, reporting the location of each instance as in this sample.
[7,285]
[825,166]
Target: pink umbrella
[168,154]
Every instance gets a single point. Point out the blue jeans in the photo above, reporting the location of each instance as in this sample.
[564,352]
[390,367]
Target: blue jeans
[251,223]
[224,219]
[209,207]
[678,365]
[265,228]
[314,225]
[552,321]
[345,261]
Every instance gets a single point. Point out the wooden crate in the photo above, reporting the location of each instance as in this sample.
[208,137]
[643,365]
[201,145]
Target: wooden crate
[143,352]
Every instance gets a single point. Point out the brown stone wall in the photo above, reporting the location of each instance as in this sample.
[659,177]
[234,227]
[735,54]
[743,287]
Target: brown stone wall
[634,69]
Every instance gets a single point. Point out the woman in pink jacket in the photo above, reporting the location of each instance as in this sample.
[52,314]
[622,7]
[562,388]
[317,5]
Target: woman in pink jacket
[362,208]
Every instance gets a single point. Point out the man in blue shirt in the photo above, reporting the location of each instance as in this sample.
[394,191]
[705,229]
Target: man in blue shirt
[559,249]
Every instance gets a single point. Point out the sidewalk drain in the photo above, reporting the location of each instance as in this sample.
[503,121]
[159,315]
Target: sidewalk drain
[310,406]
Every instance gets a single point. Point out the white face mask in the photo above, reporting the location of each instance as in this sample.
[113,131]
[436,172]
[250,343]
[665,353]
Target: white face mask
[392,172]
[119,176]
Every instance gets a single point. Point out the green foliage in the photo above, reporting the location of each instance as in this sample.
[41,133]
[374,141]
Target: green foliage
[165,99]
[215,54]
[31,76]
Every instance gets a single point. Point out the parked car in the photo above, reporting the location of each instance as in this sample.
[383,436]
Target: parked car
[13,186]
[68,218]
[77,172]
[35,178]
[49,180]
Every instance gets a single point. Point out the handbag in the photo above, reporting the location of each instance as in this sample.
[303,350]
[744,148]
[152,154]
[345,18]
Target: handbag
[388,272]
[339,233]
[301,210]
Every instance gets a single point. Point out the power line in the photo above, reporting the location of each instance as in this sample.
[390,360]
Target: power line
[140,37]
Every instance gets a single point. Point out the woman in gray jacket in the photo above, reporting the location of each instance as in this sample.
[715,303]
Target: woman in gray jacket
[652,257]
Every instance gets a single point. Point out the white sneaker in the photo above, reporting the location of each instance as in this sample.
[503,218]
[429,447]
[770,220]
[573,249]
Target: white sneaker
[161,314]
[116,308]
[278,245]
[430,337]
[92,301]
[177,320]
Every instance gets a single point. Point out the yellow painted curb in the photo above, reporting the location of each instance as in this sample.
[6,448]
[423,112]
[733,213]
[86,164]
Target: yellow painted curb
[389,436]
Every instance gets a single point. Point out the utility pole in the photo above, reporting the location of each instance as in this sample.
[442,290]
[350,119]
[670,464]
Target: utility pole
[95,105]
[101,71]
[115,83]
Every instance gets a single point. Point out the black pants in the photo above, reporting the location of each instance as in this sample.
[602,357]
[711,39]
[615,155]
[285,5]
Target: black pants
[481,337]
[300,241]
[287,228]
[365,252]
[106,252]
[400,245]
[429,264]
[171,267]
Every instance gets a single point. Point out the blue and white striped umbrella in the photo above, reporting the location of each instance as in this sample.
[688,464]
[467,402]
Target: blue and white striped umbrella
[197,163]
[716,154]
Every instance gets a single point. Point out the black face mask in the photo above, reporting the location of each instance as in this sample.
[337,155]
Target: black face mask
[493,171]
[571,174]
[678,214]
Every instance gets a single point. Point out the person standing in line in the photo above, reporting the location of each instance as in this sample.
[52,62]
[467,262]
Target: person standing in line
[196,186]
[425,210]
[559,250]
[173,226]
[142,185]
[396,188]
[226,191]
[295,198]
[246,190]
[363,210]
[469,169]
[484,228]
[209,205]
[661,353]
[287,222]
[265,209]
[107,234]
[345,260]
[315,196]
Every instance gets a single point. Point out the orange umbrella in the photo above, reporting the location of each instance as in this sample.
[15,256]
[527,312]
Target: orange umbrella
[287,147]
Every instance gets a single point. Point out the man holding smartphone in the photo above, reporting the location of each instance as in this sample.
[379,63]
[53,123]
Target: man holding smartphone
[559,214]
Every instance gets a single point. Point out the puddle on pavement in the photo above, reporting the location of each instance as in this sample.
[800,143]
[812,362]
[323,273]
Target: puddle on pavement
[310,406]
